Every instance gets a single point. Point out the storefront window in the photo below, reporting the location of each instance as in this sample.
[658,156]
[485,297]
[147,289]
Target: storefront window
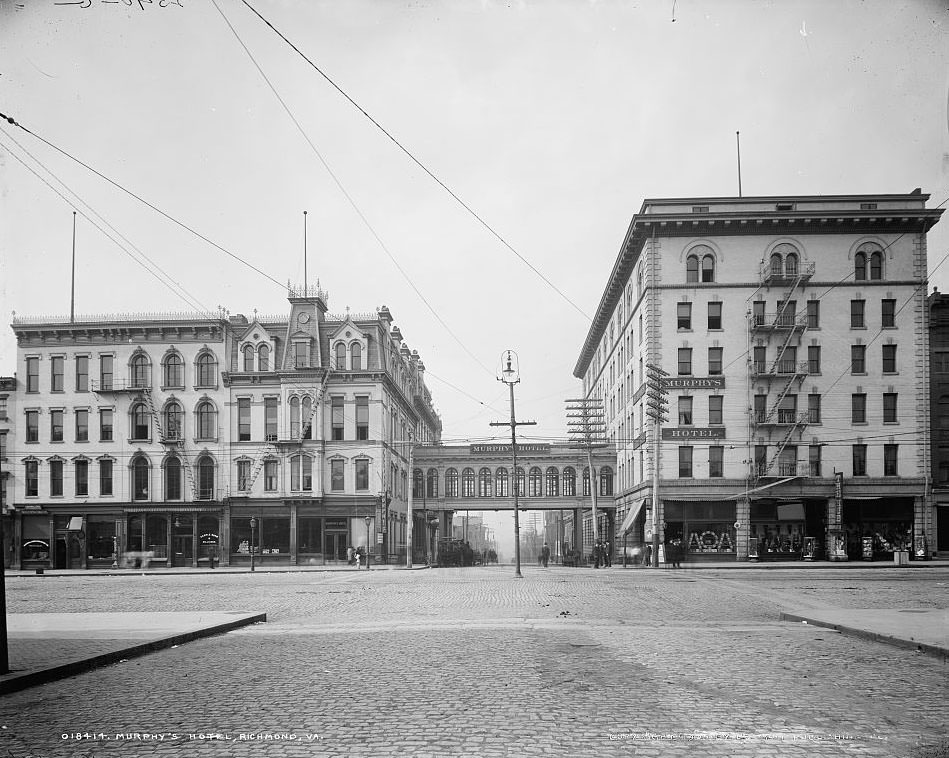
[208,537]
[309,534]
[271,537]
[156,536]
[35,545]
[101,540]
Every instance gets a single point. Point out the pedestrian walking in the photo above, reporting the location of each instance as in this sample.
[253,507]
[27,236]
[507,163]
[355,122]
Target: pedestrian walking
[349,555]
[545,554]
[647,555]
[357,557]
[607,557]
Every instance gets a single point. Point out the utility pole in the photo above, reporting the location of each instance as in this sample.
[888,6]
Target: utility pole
[586,428]
[510,375]
[409,531]
[657,408]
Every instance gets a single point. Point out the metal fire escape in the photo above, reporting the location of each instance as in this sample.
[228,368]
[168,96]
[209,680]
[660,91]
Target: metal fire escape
[782,331]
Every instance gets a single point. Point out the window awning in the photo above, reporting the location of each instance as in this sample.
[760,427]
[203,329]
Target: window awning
[631,515]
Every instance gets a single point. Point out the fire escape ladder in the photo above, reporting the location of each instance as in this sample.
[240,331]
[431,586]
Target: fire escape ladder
[777,403]
[153,411]
[798,426]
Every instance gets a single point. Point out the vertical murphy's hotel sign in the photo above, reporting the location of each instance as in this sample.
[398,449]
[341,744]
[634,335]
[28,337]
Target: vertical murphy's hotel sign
[537,447]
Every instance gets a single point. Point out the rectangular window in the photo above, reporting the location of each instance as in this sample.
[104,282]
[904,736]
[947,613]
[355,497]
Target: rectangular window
[813,359]
[813,408]
[82,373]
[715,409]
[761,459]
[56,478]
[32,426]
[3,447]
[715,315]
[685,360]
[105,424]
[82,478]
[362,474]
[715,361]
[55,426]
[270,475]
[889,460]
[243,476]
[761,408]
[716,461]
[757,312]
[888,314]
[32,374]
[270,418]
[856,314]
[685,411]
[82,425]
[337,479]
[685,462]
[243,419]
[684,315]
[105,371]
[105,477]
[858,359]
[813,314]
[759,359]
[889,408]
[858,408]
[362,418]
[338,421]
[32,478]
[889,359]
[299,355]
[859,460]
[813,459]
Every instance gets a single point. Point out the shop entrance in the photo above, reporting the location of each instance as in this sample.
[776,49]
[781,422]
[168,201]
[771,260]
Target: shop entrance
[335,546]
[68,552]
[942,528]
[182,550]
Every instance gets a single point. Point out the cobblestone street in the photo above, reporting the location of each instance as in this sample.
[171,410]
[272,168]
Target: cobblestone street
[472,662]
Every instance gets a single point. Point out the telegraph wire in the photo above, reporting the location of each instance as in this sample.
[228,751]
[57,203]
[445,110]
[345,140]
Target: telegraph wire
[418,163]
[345,193]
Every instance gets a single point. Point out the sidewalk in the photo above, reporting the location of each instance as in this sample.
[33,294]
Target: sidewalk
[43,647]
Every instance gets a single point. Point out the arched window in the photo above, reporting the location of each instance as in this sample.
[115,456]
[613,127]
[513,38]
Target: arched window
[301,473]
[418,484]
[205,467]
[263,358]
[173,478]
[141,472]
[501,483]
[553,482]
[876,265]
[860,267]
[790,264]
[340,356]
[570,482]
[431,483]
[535,483]
[355,352]
[306,417]
[484,482]
[207,420]
[708,268]
[451,483]
[294,418]
[174,421]
[206,370]
[141,422]
[521,481]
[248,357]
[777,264]
[692,269]
[173,371]
[468,482]
[138,367]
[606,481]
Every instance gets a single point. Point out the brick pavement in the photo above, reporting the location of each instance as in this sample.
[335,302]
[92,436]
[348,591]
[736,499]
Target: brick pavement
[472,662]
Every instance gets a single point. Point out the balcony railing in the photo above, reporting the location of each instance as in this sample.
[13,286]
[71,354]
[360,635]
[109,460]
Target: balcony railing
[780,368]
[120,385]
[770,272]
[789,320]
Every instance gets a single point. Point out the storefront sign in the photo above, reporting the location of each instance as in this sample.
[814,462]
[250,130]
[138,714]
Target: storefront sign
[337,524]
[691,432]
[506,449]
[694,383]
[208,539]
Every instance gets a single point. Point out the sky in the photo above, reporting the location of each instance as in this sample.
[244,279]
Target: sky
[551,121]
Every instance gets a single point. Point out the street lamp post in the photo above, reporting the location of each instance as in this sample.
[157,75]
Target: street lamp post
[510,375]
[368,546]
[253,526]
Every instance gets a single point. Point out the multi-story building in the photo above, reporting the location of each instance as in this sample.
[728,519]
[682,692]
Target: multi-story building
[7,412]
[794,333]
[939,368]
[186,440]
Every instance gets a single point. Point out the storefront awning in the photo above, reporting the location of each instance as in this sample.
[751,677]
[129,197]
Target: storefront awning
[631,515]
[172,509]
